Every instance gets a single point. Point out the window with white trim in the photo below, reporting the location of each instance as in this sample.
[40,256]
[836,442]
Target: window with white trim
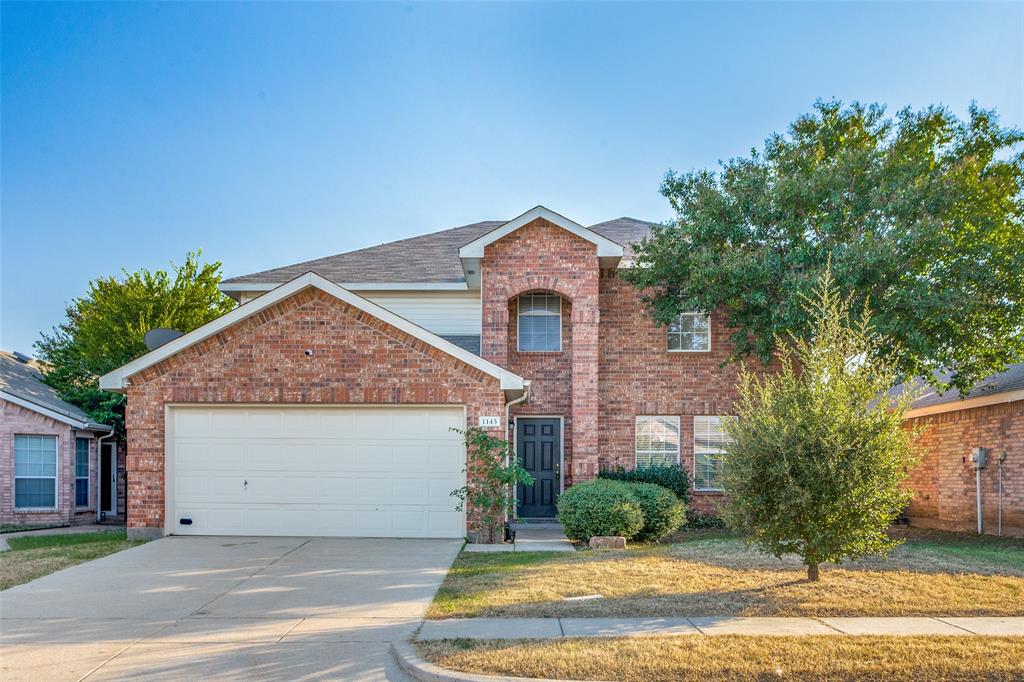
[690,333]
[709,443]
[657,440]
[81,472]
[540,323]
[35,472]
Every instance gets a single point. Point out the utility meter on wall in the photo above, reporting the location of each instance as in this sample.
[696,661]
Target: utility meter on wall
[978,457]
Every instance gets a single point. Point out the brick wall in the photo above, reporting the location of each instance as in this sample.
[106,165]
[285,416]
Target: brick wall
[17,420]
[356,358]
[541,257]
[639,376]
[944,480]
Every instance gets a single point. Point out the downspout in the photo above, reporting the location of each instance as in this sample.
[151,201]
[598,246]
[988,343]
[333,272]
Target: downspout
[508,423]
[99,471]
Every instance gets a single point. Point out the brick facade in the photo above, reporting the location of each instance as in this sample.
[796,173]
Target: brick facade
[541,257]
[944,481]
[640,376]
[18,420]
[356,359]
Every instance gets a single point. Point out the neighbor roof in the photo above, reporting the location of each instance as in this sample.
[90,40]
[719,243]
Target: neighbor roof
[1003,387]
[21,383]
[430,258]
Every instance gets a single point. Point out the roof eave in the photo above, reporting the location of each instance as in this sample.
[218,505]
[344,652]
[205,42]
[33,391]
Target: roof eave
[70,420]
[966,404]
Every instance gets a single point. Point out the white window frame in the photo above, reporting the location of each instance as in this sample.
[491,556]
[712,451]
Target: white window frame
[15,477]
[704,450]
[88,473]
[669,334]
[519,317]
[636,433]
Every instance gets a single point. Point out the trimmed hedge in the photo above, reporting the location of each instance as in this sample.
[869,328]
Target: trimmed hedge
[643,511]
[663,512]
[599,507]
[671,476]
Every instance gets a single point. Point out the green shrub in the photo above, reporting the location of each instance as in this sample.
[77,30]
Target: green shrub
[599,507]
[663,512]
[696,520]
[671,476]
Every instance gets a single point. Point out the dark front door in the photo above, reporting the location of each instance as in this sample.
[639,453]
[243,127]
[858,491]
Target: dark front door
[539,446]
[106,479]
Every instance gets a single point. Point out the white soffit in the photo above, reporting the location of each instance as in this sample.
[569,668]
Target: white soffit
[117,379]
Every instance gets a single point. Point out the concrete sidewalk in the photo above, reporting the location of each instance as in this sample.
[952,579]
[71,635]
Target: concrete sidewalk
[531,537]
[554,628]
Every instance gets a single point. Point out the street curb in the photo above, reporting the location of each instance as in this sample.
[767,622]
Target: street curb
[410,662]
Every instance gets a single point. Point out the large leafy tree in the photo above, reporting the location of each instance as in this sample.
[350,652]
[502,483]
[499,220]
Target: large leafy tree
[817,459]
[105,328]
[922,215]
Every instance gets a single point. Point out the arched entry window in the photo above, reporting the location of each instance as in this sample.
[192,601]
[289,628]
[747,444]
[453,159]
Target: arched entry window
[540,323]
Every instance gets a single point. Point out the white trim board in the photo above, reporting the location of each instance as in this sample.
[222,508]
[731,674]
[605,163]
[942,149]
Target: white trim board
[967,404]
[53,414]
[117,380]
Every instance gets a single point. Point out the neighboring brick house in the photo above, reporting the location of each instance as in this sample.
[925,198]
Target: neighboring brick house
[57,466]
[323,404]
[945,482]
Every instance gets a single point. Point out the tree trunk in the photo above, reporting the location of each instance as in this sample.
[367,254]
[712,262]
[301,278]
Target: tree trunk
[812,573]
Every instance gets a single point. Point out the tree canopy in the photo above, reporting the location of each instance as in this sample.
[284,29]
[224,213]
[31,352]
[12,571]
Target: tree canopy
[818,451]
[105,328]
[921,215]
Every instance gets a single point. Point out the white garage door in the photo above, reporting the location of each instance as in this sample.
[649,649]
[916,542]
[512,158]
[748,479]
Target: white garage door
[341,471]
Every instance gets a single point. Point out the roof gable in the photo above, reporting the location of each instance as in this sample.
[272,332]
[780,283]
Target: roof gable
[117,379]
[22,384]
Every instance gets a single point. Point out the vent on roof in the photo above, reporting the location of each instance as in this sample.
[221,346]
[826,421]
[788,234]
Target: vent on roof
[155,338]
[21,357]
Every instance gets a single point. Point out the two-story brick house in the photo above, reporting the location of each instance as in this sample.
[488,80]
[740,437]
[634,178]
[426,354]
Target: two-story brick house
[324,403]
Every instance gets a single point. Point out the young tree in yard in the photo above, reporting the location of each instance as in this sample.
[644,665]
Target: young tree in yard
[819,450]
[923,214]
[104,329]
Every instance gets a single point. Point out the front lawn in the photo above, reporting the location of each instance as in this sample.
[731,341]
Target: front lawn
[657,659]
[33,556]
[711,574]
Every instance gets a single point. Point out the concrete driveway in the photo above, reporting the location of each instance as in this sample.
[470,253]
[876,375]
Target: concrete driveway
[224,608]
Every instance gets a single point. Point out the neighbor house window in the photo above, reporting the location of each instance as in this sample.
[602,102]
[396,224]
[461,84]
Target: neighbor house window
[35,472]
[690,332]
[709,441]
[540,323]
[657,441]
[81,472]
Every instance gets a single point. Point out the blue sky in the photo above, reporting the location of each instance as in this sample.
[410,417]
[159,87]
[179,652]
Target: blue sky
[268,134]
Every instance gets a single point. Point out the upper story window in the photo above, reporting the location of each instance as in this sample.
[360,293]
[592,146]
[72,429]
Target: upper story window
[690,332]
[657,440]
[540,323]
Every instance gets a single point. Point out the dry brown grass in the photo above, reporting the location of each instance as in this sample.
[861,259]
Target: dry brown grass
[656,659]
[933,574]
[35,556]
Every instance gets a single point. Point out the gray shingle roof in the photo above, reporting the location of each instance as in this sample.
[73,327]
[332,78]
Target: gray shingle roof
[25,382]
[430,258]
[1010,380]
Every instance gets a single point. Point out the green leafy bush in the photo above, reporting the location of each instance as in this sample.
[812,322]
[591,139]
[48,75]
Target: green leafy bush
[671,476]
[696,520]
[663,512]
[600,507]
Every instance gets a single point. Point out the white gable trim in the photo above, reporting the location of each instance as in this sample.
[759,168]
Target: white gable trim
[606,248]
[117,379]
[53,414]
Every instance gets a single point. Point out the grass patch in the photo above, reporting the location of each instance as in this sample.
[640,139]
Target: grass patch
[708,574]
[664,659]
[19,527]
[34,556]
